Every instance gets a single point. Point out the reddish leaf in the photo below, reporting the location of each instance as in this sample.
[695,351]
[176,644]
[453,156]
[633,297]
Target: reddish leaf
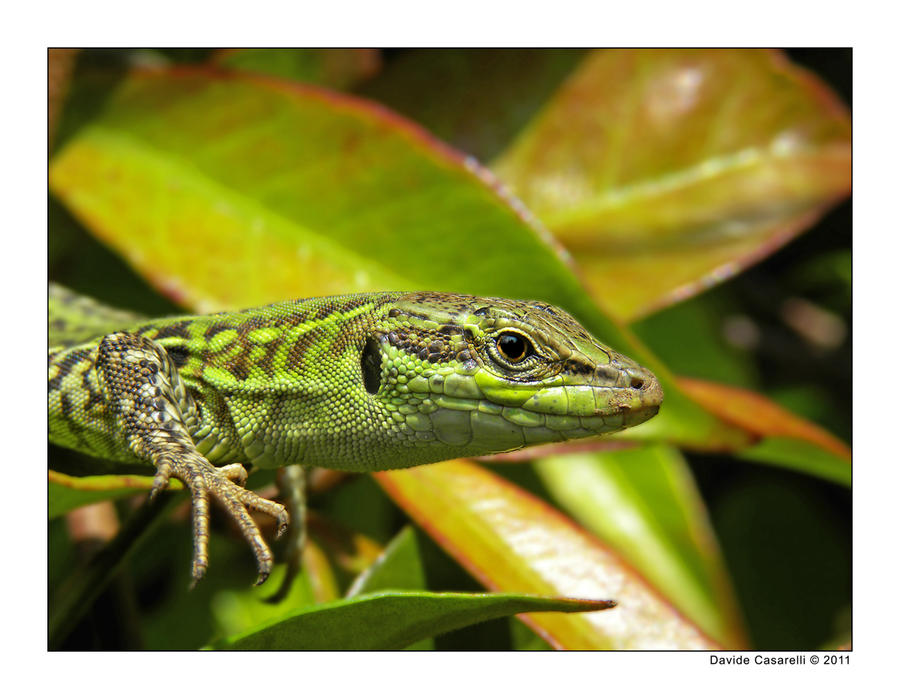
[511,541]
[759,415]
[666,171]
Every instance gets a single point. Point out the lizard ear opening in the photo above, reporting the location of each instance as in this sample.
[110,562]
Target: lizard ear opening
[371,366]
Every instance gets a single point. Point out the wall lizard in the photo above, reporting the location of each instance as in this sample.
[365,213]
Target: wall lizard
[360,382]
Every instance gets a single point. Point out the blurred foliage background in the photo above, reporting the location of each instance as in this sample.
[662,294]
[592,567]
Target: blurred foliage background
[780,328]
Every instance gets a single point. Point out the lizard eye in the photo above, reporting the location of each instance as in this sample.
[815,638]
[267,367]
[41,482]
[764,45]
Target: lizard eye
[513,347]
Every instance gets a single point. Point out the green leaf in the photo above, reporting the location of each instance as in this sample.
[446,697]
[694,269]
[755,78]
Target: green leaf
[801,456]
[788,546]
[284,190]
[398,568]
[644,503]
[665,171]
[393,620]
[237,610]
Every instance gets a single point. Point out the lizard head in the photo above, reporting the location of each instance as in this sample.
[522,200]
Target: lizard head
[486,375]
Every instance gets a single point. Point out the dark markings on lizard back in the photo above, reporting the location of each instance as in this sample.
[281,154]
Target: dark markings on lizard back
[178,354]
[177,329]
[323,311]
[239,366]
[55,383]
[144,329]
[71,423]
[266,363]
[215,329]
[342,342]
[64,368]
[297,352]
[95,398]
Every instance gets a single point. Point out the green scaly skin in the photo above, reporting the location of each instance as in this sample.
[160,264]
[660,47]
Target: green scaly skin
[362,382]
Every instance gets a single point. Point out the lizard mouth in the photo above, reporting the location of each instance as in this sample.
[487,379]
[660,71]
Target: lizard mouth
[633,396]
[597,409]
[642,414]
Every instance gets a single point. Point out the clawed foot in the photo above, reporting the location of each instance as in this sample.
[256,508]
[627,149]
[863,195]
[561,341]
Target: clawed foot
[225,484]
[146,393]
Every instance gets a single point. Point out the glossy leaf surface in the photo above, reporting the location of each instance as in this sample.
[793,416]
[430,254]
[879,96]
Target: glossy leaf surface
[393,620]
[644,504]
[399,567]
[509,540]
[666,171]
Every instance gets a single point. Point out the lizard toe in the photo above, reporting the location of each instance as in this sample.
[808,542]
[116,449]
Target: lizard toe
[161,479]
[234,503]
[236,473]
[200,519]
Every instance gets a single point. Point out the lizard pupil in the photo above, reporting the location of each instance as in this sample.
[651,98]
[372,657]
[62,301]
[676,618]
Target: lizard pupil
[512,346]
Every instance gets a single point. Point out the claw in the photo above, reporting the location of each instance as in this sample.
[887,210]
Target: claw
[284,521]
[161,479]
[197,572]
[205,480]
[263,576]
[252,535]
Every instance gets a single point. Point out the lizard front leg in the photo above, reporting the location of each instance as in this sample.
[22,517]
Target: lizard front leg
[143,386]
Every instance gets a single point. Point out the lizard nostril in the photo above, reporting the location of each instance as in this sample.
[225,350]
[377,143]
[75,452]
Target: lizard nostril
[637,382]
